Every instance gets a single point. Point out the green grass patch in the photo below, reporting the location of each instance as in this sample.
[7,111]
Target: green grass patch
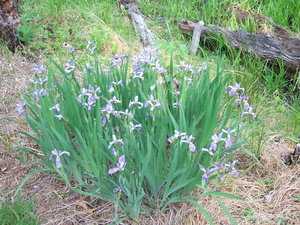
[17,212]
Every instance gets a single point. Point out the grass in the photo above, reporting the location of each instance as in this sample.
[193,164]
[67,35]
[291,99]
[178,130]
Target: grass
[17,212]
[48,24]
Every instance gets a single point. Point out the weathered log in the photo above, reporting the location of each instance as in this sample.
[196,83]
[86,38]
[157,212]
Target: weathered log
[9,22]
[265,46]
[138,22]
[265,24]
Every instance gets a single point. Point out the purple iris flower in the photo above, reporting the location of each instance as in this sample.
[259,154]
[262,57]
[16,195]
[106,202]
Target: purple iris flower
[188,140]
[235,88]
[120,165]
[136,102]
[20,108]
[38,68]
[230,165]
[58,154]
[206,172]
[115,141]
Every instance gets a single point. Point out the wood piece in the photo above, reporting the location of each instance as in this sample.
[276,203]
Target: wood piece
[9,22]
[138,22]
[261,45]
[265,24]
[196,37]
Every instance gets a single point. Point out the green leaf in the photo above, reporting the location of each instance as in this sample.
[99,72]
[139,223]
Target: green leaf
[24,181]
[225,209]
[203,211]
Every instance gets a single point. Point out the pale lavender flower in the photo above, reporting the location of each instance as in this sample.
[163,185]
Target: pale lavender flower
[138,74]
[189,68]
[109,110]
[228,141]
[177,135]
[241,98]
[136,102]
[217,167]
[159,68]
[92,93]
[115,141]
[182,64]
[151,51]
[126,113]
[72,49]
[39,80]
[231,165]
[88,97]
[120,165]
[200,69]
[38,68]
[88,67]
[58,154]
[89,105]
[159,80]
[235,89]
[69,66]
[114,100]
[133,127]
[118,59]
[152,102]
[177,104]
[188,140]
[210,150]
[91,46]
[114,151]
[215,140]
[249,112]
[206,172]
[55,107]
[111,88]
[37,93]
[104,120]
[117,193]
[246,105]
[60,117]
[119,83]
[20,108]
[152,87]
[188,80]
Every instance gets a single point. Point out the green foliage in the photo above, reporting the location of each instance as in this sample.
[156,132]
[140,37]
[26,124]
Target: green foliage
[17,212]
[135,133]
[28,28]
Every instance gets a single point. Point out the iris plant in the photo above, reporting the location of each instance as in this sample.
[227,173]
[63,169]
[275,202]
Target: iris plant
[118,152]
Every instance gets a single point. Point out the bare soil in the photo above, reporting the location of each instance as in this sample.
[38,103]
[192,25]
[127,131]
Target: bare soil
[271,190]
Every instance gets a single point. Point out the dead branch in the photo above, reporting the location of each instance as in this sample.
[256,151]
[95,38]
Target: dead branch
[265,46]
[138,22]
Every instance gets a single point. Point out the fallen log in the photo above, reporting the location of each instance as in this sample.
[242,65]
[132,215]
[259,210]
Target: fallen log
[138,22]
[265,46]
[265,24]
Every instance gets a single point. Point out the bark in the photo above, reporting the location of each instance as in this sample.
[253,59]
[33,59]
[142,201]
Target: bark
[9,22]
[138,22]
[265,46]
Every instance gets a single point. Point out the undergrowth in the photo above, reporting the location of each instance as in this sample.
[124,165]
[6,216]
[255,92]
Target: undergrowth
[17,211]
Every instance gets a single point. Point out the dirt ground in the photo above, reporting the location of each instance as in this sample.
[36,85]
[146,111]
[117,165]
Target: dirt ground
[271,190]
